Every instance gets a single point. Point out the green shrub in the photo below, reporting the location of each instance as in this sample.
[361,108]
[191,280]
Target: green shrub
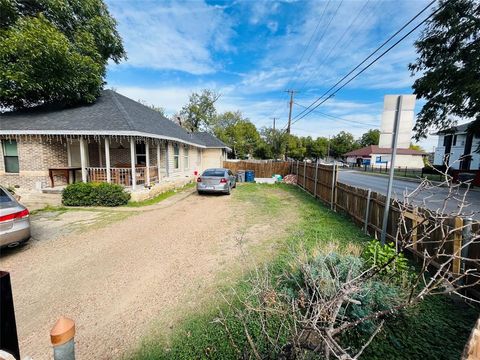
[94,194]
[377,255]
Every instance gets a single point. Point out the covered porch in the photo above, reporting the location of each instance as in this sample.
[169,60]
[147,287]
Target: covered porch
[134,162]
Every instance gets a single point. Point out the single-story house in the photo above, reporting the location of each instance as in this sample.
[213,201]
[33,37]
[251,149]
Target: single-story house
[115,139]
[376,156]
[457,148]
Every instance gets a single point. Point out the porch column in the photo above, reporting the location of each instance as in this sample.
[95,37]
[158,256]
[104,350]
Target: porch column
[158,161]
[147,160]
[132,163]
[107,159]
[167,153]
[83,159]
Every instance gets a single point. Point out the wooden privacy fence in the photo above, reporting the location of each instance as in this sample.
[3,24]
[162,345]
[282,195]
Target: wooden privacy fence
[366,209]
[262,169]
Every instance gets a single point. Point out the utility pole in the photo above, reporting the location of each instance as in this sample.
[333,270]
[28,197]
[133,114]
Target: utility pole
[291,92]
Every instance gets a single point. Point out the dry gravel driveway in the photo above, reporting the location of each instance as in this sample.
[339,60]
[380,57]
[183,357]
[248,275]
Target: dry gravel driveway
[119,278]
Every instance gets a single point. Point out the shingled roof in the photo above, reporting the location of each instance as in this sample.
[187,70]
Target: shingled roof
[111,114]
[374,149]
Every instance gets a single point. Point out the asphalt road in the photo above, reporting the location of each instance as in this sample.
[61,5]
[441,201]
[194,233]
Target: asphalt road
[432,198]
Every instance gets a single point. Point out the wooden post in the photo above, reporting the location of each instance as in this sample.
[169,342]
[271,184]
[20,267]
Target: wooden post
[304,173]
[332,196]
[316,178]
[133,163]
[167,156]
[62,338]
[83,160]
[147,160]
[107,159]
[158,160]
[367,212]
[457,244]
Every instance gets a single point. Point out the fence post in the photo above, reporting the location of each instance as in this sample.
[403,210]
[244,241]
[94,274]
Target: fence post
[367,212]
[332,196]
[457,244]
[467,238]
[304,173]
[62,338]
[316,177]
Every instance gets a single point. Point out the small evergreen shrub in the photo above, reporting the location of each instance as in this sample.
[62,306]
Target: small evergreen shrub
[94,194]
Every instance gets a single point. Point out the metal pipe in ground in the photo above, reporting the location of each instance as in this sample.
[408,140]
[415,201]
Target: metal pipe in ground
[467,239]
[62,337]
[332,197]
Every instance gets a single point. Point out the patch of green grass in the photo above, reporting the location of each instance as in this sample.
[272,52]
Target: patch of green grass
[159,197]
[49,208]
[435,322]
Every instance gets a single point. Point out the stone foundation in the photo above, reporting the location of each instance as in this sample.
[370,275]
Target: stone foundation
[164,186]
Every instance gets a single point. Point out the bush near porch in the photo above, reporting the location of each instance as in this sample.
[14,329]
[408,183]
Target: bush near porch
[94,194]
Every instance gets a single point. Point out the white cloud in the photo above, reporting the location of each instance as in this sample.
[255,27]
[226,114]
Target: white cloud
[172,36]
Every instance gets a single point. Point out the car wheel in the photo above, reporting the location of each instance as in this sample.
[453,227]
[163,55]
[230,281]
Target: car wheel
[229,190]
[199,192]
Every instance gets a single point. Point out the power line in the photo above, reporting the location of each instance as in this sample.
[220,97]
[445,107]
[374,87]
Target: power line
[336,43]
[306,111]
[321,37]
[308,44]
[337,117]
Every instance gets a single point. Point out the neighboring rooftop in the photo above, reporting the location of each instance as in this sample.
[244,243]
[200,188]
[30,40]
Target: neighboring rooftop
[111,114]
[374,149]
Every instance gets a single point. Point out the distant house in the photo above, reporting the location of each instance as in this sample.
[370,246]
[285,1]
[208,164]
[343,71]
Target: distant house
[457,148]
[376,156]
[116,140]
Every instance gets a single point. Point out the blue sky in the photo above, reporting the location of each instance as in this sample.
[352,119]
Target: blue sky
[251,51]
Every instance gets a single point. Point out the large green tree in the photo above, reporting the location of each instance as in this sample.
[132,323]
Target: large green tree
[55,51]
[342,143]
[449,67]
[200,112]
[371,137]
[238,133]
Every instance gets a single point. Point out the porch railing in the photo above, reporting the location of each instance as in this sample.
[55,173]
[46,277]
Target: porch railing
[122,176]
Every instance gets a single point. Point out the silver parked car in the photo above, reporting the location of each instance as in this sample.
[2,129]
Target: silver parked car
[14,220]
[216,180]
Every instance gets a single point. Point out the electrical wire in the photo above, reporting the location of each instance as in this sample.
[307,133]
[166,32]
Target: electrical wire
[306,111]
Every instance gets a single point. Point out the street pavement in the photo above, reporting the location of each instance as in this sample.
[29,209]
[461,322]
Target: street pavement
[433,198]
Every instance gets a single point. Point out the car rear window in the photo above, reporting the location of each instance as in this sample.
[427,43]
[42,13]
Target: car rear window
[4,198]
[218,173]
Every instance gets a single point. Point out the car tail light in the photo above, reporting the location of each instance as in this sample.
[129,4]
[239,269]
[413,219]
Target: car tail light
[223,181]
[18,215]
[199,179]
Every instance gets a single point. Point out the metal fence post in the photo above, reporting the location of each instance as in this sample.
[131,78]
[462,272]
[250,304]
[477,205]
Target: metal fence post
[367,212]
[62,338]
[297,171]
[315,184]
[467,238]
[332,197]
[304,173]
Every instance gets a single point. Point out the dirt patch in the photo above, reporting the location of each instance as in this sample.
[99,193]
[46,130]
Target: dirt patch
[117,280]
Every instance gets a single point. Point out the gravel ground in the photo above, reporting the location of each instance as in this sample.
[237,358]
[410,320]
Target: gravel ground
[120,279]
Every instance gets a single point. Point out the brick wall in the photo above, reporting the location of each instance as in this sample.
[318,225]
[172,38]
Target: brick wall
[35,156]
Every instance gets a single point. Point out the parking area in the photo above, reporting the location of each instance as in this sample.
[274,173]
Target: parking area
[115,272]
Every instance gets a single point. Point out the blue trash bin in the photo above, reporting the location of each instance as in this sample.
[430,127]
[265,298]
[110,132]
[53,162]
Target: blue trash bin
[249,176]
